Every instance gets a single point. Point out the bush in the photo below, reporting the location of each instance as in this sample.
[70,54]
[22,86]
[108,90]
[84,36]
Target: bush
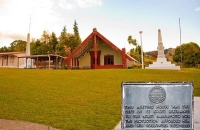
[135,66]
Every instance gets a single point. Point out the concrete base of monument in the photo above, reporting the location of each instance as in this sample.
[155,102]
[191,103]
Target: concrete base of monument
[162,63]
[164,67]
[196,116]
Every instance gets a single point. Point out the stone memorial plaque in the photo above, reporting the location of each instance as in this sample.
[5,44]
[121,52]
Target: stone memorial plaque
[157,105]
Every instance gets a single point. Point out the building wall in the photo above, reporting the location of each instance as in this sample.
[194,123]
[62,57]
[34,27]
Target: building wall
[11,60]
[105,50]
[130,63]
[85,61]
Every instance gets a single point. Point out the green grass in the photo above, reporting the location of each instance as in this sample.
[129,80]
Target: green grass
[75,99]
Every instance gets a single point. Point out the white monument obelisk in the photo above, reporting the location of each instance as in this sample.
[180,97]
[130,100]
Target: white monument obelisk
[160,46]
[28,45]
[161,61]
[27,61]
[28,64]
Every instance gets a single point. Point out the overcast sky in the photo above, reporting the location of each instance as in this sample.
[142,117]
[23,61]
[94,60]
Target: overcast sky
[115,19]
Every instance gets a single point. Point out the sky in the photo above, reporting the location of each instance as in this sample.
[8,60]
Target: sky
[114,19]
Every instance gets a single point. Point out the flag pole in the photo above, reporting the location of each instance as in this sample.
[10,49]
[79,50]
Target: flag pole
[180,40]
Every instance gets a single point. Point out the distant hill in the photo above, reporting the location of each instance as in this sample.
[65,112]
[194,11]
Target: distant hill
[168,53]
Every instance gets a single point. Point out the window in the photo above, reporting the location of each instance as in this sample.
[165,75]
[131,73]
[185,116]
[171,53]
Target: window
[108,60]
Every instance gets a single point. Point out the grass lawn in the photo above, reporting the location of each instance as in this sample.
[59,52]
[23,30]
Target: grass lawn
[75,99]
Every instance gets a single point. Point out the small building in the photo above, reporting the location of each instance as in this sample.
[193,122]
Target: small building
[10,59]
[97,52]
[42,61]
[20,60]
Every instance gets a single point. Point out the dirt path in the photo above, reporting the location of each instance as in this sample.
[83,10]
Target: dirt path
[22,125]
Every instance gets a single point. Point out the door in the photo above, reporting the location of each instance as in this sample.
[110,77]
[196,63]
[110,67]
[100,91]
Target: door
[5,61]
[92,59]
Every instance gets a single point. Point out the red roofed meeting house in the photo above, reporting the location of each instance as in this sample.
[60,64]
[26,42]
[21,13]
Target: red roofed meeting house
[97,52]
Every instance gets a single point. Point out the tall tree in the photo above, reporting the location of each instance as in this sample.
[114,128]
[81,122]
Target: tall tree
[52,43]
[77,39]
[63,40]
[72,42]
[45,38]
[35,47]
[76,33]
[63,36]
[190,53]
[45,43]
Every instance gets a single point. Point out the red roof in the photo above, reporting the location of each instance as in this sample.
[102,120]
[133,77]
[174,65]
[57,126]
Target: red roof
[87,44]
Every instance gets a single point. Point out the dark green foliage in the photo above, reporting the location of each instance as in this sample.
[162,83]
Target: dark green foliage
[170,54]
[190,54]
[42,45]
[68,40]
[53,42]
[63,40]
[4,49]
[72,41]
[37,48]
[134,52]
[76,37]
[17,45]
[166,51]
[132,41]
[76,33]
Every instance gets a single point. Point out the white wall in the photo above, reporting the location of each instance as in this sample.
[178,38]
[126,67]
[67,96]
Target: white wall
[12,60]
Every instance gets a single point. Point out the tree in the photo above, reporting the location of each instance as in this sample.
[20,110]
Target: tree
[4,49]
[52,43]
[69,40]
[132,41]
[190,53]
[72,41]
[67,50]
[49,43]
[42,44]
[17,45]
[77,39]
[134,52]
[45,38]
[63,39]
[63,36]
[37,47]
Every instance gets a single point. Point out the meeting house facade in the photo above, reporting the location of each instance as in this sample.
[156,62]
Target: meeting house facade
[97,52]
